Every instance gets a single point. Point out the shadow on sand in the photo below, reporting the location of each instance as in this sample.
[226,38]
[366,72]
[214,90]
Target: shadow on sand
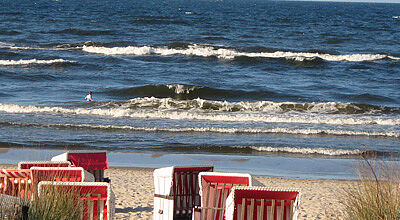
[137,209]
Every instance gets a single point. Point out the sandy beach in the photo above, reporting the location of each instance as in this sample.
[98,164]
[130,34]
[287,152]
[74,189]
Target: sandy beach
[133,188]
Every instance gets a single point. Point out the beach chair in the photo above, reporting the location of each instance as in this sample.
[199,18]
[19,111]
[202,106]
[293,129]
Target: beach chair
[57,174]
[93,162]
[214,190]
[16,182]
[98,198]
[262,203]
[29,164]
[65,174]
[177,191]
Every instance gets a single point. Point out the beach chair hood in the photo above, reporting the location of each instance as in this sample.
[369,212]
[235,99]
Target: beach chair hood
[87,160]
[239,193]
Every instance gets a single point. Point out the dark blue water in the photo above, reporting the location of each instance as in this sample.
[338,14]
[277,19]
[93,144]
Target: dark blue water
[293,80]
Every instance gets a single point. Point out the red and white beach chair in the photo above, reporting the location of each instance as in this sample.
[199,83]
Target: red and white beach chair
[57,174]
[262,203]
[65,174]
[177,191]
[214,189]
[17,183]
[29,164]
[98,198]
[93,162]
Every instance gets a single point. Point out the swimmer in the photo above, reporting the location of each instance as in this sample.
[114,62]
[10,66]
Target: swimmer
[89,97]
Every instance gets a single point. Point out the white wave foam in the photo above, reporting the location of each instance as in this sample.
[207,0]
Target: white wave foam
[32,61]
[122,111]
[5,45]
[322,151]
[139,51]
[225,130]
[181,89]
[222,53]
[394,58]
[12,47]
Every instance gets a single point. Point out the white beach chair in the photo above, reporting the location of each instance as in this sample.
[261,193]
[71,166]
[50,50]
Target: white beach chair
[262,203]
[214,189]
[99,197]
[177,191]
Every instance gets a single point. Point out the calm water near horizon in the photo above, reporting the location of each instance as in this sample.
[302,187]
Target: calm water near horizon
[308,87]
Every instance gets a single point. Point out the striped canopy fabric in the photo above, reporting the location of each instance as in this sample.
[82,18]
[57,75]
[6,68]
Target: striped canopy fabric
[16,173]
[16,182]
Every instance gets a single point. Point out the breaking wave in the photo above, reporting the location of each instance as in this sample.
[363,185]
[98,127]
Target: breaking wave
[228,53]
[286,150]
[188,92]
[255,106]
[32,62]
[215,130]
[203,50]
[307,151]
[137,109]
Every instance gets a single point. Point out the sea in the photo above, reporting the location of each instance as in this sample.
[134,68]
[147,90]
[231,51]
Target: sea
[276,88]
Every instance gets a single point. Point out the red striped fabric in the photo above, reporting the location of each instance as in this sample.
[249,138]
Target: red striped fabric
[25,173]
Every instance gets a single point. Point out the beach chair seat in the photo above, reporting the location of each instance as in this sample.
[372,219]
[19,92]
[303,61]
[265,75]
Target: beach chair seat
[93,162]
[17,182]
[262,203]
[214,190]
[29,164]
[177,191]
[97,197]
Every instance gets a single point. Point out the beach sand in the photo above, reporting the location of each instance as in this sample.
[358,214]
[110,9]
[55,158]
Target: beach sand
[133,188]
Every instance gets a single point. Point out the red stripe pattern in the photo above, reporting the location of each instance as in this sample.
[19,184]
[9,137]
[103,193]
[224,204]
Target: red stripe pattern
[25,173]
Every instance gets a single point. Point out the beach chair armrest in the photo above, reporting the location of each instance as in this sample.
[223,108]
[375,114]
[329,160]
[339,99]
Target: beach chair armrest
[164,196]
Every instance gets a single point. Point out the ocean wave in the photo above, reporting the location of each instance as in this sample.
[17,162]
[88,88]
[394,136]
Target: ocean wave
[204,50]
[33,61]
[278,130]
[6,45]
[51,46]
[258,106]
[228,53]
[55,46]
[367,97]
[188,92]
[115,109]
[286,150]
[193,92]
[308,151]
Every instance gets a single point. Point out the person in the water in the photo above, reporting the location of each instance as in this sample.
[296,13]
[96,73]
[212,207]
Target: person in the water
[89,97]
